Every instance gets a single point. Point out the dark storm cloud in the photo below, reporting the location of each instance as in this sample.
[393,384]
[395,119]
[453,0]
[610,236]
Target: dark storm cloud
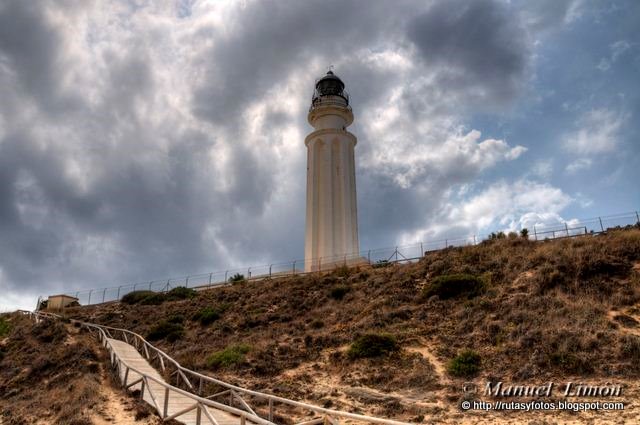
[121,176]
[273,38]
[30,46]
[477,45]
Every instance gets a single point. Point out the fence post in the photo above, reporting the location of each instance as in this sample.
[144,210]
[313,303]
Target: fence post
[186,283]
[535,233]
[474,240]
[249,273]
[637,218]
[601,226]
[104,291]
[166,402]
[396,254]
[210,275]
[89,300]
[294,266]
[421,250]
[225,275]
[118,297]
[150,284]
[446,243]
[369,256]
[270,265]
[566,228]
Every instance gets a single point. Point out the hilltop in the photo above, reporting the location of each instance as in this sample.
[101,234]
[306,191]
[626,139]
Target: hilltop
[399,341]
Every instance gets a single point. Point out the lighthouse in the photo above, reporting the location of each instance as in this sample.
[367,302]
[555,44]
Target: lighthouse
[331,234]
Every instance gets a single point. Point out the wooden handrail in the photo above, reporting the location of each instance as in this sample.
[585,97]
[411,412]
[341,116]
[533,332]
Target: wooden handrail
[182,371]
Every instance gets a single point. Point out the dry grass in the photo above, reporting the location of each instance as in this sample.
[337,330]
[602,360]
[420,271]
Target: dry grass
[542,314]
[48,373]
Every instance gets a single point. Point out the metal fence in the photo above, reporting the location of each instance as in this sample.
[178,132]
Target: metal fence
[397,254]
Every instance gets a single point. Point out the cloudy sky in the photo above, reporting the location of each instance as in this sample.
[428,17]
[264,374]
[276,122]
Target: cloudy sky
[146,139]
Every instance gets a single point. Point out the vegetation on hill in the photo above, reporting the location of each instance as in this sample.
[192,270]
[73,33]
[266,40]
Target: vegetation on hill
[508,308]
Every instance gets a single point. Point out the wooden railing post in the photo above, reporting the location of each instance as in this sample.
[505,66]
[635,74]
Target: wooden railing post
[270,410]
[166,402]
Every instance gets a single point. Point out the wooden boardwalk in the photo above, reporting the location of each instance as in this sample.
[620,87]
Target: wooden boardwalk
[177,402]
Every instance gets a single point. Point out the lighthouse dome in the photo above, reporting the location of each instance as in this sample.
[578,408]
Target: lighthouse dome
[329,85]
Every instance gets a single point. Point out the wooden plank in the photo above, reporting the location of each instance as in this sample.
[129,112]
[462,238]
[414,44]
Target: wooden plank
[154,392]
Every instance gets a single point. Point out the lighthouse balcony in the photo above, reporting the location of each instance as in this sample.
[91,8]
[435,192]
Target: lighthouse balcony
[341,100]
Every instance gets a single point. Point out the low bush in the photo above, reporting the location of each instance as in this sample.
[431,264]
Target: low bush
[229,357]
[4,326]
[136,296]
[630,349]
[153,299]
[450,286]
[381,264]
[571,363]
[372,345]
[339,291]
[176,318]
[156,298]
[206,316]
[180,293]
[465,364]
[166,330]
[237,278]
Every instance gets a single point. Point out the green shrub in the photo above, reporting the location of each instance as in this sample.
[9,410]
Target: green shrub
[570,362]
[339,291]
[176,318]
[372,345]
[381,263]
[207,315]
[166,330]
[180,293]
[449,286]
[136,296]
[230,356]
[465,364]
[524,233]
[4,327]
[237,278]
[155,298]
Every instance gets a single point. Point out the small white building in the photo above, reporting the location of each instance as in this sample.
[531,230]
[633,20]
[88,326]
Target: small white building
[58,302]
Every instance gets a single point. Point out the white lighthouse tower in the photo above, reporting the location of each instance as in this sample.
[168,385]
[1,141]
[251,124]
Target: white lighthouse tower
[332,221]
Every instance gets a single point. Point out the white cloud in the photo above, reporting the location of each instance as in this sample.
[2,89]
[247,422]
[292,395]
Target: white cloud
[598,133]
[503,205]
[542,169]
[578,165]
[617,49]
